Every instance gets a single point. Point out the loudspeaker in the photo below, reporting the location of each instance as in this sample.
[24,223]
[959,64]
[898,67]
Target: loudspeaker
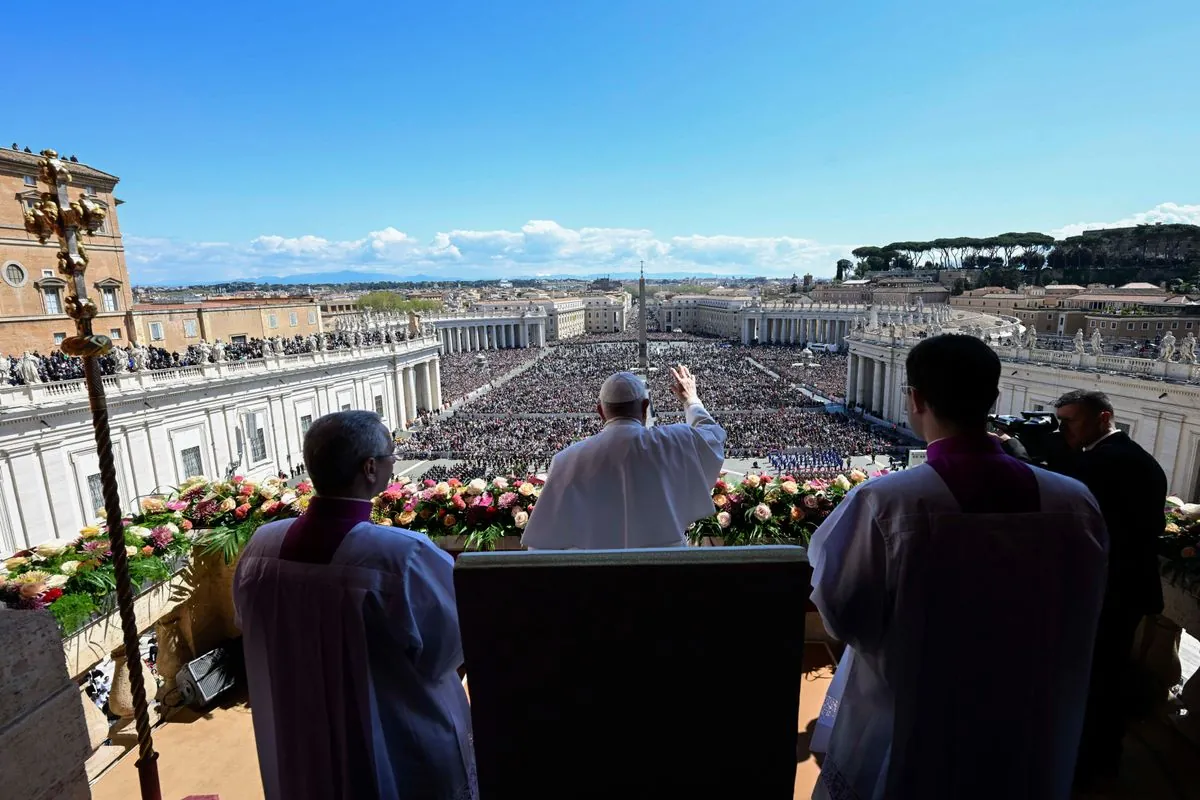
[203,680]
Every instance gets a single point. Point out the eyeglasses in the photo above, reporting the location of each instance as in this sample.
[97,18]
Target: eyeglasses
[395,453]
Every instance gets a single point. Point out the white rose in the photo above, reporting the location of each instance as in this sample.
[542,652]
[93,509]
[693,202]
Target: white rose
[1189,511]
[520,519]
[752,481]
[173,528]
[137,532]
[842,482]
[477,486]
[130,550]
[789,487]
[288,498]
[268,491]
[51,549]
[69,567]
[500,483]
[526,489]
[56,581]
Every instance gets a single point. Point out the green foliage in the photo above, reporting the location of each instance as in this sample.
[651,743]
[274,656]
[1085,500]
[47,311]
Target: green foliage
[228,541]
[73,611]
[485,539]
[147,570]
[393,301]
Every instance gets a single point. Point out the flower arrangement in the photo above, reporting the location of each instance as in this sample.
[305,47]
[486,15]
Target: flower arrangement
[75,578]
[1180,541]
[229,512]
[482,511]
[765,510]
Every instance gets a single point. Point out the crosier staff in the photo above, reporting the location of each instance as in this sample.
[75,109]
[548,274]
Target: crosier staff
[54,215]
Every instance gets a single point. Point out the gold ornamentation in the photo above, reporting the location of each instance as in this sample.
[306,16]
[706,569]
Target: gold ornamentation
[80,309]
[95,345]
[43,219]
[72,265]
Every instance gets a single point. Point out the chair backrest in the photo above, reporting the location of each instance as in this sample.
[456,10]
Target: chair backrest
[635,673]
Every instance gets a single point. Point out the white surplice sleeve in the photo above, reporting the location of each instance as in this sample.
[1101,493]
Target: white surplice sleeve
[702,470]
[848,554]
[430,615]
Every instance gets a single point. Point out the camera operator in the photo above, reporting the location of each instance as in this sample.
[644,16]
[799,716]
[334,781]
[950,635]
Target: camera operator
[1130,487]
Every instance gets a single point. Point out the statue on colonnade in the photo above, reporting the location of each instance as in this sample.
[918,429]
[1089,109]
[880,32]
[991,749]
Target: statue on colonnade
[141,358]
[120,359]
[1078,342]
[1097,343]
[27,368]
[219,351]
[1187,350]
[1031,337]
[1166,349]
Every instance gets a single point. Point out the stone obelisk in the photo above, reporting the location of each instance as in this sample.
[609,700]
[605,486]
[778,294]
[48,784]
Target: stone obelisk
[643,356]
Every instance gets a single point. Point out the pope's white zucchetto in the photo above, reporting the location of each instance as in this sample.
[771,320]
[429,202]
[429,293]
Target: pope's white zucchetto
[623,387]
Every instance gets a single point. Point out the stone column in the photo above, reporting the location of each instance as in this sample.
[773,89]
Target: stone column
[524,331]
[851,378]
[410,392]
[436,369]
[398,387]
[889,392]
[878,379]
[860,386]
[425,380]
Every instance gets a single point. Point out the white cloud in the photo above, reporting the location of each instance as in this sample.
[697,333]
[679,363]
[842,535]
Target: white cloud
[540,247]
[1163,212]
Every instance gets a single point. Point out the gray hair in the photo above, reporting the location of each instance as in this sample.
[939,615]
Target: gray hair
[630,410]
[337,444]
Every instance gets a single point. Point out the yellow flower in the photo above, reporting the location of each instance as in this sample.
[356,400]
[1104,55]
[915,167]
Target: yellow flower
[789,487]
[720,500]
[56,581]
[385,521]
[526,489]
[857,476]
[449,520]
[842,482]
[406,517]
[1172,527]
[90,532]
[752,480]
[69,567]
[14,562]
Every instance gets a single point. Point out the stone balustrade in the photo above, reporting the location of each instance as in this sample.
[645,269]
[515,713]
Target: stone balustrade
[132,382]
[1067,359]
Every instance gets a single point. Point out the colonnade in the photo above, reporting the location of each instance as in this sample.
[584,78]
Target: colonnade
[772,329]
[873,383]
[468,336]
[418,389]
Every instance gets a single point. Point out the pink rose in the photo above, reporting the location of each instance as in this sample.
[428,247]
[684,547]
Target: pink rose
[762,512]
[458,502]
[723,519]
[242,511]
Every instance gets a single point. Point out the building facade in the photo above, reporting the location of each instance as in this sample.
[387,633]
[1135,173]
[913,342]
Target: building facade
[1157,403]
[606,313]
[33,292]
[174,326]
[249,417]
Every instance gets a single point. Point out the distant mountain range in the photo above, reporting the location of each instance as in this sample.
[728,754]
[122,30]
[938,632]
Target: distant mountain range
[352,276]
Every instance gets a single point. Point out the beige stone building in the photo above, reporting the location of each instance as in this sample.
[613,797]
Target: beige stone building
[32,290]
[606,313]
[174,326]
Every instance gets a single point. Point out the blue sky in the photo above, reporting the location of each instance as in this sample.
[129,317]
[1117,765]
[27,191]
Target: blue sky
[470,139]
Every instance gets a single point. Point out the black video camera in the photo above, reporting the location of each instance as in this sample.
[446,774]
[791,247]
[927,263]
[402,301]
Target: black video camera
[1035,430]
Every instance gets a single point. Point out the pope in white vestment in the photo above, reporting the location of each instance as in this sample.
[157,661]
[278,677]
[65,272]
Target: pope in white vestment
[631,485]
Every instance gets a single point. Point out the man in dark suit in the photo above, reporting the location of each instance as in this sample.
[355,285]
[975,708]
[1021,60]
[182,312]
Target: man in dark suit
[1131,488]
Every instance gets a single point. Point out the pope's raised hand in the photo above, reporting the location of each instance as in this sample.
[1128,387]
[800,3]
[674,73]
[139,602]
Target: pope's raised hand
[683,384]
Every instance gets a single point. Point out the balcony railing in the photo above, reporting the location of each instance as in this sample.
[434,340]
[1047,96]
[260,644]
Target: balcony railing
[116,385]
